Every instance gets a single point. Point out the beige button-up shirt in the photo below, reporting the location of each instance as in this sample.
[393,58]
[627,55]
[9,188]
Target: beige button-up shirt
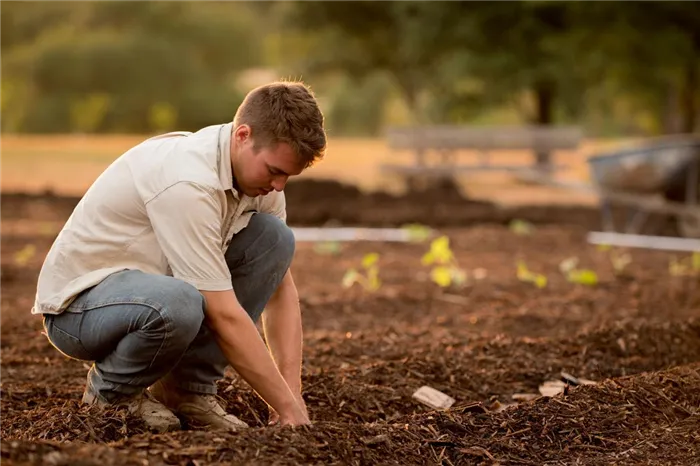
[166,206]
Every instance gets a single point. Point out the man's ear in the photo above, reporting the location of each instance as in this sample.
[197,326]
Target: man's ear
[242,133]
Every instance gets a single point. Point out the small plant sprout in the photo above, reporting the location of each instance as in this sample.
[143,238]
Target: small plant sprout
[417,233]
[620,261]
[574,275]
[24,255]
[445,271]
[368,277]
[688,267]
[525,275]
[521,227]
[330,248]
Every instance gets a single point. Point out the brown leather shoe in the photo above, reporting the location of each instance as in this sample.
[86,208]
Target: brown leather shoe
[199,410]
[156,416]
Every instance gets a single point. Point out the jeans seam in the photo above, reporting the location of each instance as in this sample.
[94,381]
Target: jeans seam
[140,301]
[166,335]
[167,323]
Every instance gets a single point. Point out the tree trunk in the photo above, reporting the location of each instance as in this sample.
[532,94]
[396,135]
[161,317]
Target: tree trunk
[544,95]
[410,93]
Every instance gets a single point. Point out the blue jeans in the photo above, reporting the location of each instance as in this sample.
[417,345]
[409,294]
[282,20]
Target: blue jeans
[139,327]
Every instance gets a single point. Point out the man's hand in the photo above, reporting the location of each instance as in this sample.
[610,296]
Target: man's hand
[274,418]
[242,345]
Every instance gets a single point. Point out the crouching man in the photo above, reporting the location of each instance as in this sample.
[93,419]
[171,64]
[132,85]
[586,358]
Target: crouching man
[169,259]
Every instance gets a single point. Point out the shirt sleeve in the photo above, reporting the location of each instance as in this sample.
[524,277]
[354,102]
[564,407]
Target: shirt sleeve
[186,219]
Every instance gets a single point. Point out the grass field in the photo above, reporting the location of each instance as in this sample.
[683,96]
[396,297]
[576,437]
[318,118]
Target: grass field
[67,164]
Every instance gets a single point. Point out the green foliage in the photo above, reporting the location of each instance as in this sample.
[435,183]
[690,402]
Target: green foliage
[575,275]
[123,67]
[24,255]
[445,271]
[162,117]
[356,105]
[619,259]
[367,276]
[87,113]
[686,267]
[408,40]
[521,227]
[417,232]
[525,275]
[332,248]
[602,65]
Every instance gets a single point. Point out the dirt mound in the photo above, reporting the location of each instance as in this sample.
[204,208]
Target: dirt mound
[313,202]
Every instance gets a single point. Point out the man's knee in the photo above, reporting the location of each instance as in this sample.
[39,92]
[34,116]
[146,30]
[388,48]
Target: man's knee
[276,236]
[182,309]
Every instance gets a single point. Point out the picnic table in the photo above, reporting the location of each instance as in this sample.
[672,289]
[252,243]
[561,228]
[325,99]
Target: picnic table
[434,150]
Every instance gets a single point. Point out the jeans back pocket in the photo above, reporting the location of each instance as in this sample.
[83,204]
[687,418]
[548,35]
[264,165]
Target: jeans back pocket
[66,343]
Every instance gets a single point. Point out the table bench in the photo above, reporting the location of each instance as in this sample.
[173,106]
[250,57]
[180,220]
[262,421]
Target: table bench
[443,142]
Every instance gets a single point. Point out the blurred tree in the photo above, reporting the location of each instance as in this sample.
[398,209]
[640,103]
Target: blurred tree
[136,55]
[88,113]
[358,112]
[409,40]
[453,59]
[162,116]
[651,52]
[525,52]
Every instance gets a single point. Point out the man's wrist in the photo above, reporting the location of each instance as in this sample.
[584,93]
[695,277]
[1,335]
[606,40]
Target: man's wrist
[293,380]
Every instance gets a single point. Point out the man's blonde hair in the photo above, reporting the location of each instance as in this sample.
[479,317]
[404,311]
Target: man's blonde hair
[284,111]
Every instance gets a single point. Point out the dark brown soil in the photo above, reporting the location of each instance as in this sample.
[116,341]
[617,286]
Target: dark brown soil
[637,334]
[313,202]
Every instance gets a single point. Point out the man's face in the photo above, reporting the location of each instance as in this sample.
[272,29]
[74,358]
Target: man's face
[258,173]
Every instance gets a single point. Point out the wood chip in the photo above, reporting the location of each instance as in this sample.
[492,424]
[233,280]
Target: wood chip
[497,406]
[568,378]
[376,440]
[552,387]
[525,396]
[433,398]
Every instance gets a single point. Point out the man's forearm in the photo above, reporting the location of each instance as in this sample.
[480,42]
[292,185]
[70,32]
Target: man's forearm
[283,331]
[245,350]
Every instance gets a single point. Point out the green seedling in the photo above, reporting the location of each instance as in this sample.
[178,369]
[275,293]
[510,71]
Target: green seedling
[367,277]
[24,255]
[574,275]
[521,227]
[331,248]
[688,267]
[620,261]
[417,233]
[525,275]
[445,271]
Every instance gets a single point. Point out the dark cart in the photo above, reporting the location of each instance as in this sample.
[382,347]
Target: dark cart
[660,175]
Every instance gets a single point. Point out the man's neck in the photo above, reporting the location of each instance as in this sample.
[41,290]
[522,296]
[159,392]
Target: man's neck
[235,184]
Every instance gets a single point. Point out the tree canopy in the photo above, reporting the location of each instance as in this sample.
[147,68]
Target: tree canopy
[117,66]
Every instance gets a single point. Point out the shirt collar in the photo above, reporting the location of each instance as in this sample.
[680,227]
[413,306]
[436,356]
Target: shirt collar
[225,170]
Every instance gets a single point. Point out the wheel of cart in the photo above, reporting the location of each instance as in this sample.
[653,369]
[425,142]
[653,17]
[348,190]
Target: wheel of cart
[661,175]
